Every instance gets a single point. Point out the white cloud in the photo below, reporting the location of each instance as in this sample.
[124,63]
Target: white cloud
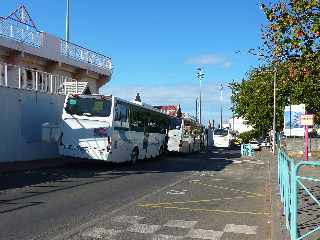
[209,59]
[227,64]
[185,95]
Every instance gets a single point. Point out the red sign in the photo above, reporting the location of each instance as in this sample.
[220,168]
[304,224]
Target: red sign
[306,119]
[171,110]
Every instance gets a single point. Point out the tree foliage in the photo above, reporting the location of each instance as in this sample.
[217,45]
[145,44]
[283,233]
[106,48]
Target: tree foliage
[293,29]
[246,137]
[291,45]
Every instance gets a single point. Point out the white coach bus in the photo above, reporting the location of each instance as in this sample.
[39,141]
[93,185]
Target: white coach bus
[222,138]
[111,129]
[184,135]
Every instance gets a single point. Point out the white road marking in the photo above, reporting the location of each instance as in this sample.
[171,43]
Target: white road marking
[241,229]
[175,192]
[143,228]
[181,224]
[166,237]
[236,161]
[100,233]
[217,179]
[122,208]
[204,234]
[246,160]
[257,162]
[195,180]
[128,219]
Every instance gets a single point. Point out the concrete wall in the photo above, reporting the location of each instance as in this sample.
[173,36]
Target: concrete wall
[21,114]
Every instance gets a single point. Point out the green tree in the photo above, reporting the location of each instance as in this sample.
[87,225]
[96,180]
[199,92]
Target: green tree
[291,42]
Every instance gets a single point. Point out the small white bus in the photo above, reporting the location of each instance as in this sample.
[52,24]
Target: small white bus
[184,135]
[111,129]
[222,138]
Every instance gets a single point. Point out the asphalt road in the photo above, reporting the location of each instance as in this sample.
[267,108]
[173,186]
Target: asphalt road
[199,196]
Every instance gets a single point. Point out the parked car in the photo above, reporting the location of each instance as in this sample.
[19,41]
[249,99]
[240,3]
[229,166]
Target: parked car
[255,145]
[265,144]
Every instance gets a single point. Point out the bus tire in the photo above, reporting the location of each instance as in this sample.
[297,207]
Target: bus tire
[134,155]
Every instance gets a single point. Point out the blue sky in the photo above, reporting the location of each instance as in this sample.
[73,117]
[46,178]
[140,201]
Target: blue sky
[156,46]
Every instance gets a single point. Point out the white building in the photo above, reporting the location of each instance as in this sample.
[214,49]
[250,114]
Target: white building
[37,70]
[239,125]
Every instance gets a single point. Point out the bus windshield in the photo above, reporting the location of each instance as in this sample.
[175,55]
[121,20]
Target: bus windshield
[97,107]
[221,132]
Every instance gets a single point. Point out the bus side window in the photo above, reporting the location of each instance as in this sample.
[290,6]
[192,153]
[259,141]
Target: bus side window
[136,119]
[121,115]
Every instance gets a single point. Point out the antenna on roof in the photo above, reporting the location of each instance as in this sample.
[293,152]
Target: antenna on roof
[138,98]
[22,15]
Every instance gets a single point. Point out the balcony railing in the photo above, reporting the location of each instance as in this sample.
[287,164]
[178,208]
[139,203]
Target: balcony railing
[20,32]
[82,54]
[26,34]
[30,79]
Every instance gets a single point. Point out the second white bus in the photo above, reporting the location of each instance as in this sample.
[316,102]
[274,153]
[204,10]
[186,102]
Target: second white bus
[184,135]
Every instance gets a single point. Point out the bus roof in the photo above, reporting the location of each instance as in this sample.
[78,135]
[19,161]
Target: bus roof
[137,104]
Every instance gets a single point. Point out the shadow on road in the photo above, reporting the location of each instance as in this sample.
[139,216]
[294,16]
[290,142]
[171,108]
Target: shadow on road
[78,172]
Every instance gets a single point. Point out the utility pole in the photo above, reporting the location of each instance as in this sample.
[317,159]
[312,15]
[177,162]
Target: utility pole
[274,110]
[200,76]
[232,89]
[68,22]
[221,105]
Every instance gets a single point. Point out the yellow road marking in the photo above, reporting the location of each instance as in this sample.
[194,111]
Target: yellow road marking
[197,201]
[231,189]
[206,210]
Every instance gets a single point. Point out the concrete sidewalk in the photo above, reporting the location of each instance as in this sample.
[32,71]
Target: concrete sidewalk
[278,228]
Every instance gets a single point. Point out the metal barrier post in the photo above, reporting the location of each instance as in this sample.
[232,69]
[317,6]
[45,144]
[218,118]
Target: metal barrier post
[289,183]
[294,204]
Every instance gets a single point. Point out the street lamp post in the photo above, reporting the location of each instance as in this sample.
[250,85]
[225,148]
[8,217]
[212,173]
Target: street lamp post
[200,76]
[68,21]
[197,109]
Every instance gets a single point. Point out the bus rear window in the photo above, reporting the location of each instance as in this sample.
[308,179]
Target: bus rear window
[221,132]
[89,107]
[175,123]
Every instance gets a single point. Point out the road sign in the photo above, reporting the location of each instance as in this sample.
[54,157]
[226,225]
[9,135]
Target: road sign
[307,119]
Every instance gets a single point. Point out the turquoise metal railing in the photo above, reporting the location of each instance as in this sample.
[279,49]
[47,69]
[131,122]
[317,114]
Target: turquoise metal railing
[246,150]
[290,182]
